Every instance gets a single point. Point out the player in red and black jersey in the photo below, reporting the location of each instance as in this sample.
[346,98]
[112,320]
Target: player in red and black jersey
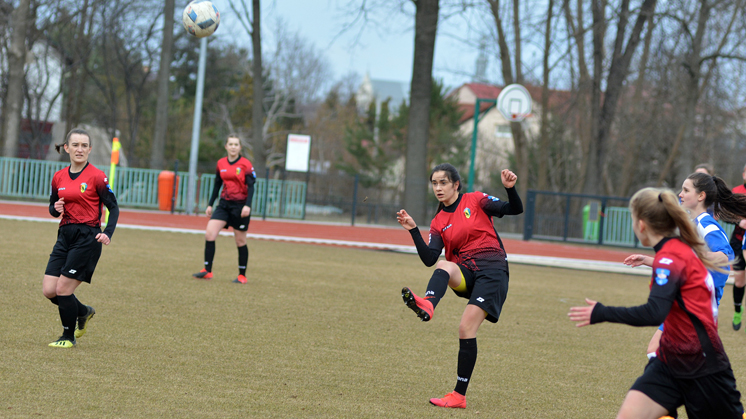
[739,275]
[78,193]
[476,265]
[690,367]
[236,176]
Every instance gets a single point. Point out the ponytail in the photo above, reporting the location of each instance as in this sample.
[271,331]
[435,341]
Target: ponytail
[727,206]
[663,215]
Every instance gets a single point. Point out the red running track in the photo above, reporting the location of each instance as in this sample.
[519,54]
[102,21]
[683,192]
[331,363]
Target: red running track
[305,229]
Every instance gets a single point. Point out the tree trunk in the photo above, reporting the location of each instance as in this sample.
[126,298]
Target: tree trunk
[164,73]
[621,59]
[416,170]
[257,115]
[16,79]
[632,144]
[543,174]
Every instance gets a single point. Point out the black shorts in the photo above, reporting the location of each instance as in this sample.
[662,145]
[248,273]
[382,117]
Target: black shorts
[738,263]
[76,252]
[230,212]
[709,397]
[486,289]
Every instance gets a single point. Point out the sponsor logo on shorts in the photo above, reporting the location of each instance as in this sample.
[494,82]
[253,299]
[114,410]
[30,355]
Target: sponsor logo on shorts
[83,187]
[72,271]
[467,212]
[661,276]
[480,299]
[242,226]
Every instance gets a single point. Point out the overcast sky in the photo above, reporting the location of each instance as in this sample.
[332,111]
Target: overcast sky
[385,50]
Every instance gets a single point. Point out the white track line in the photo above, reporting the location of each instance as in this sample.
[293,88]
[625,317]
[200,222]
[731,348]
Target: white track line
[555,262]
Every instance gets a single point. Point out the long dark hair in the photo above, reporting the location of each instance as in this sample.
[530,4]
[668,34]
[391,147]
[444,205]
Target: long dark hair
[727,206]
[451,174]
[81,131]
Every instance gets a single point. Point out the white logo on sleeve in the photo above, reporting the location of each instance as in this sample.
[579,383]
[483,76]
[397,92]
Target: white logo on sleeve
[665,261]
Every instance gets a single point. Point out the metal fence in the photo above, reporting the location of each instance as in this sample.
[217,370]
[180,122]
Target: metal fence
[31,179]
[581,218]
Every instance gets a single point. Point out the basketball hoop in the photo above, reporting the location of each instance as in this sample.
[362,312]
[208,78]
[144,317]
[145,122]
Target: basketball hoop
[514,103]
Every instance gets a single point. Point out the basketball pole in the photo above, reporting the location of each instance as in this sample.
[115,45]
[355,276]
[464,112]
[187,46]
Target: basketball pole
[194,153]
[474,133]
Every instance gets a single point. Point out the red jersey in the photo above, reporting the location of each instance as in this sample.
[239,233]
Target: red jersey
[682,296]
[237,179]
[738,231]
[84,194]
[465,229]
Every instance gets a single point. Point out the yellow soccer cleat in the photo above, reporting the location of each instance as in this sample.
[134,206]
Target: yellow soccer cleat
[63,342]
[80,327]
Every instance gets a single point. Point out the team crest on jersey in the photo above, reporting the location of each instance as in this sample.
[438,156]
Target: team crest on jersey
[661,276]
[238,171]
[83,187]
[467,213]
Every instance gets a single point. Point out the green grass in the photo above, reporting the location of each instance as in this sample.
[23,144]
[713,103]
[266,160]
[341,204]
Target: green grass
[319,332]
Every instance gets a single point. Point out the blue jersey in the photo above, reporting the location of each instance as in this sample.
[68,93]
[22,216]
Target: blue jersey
[717,241]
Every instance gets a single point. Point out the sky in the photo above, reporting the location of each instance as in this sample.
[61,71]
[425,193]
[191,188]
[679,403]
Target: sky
[384,51]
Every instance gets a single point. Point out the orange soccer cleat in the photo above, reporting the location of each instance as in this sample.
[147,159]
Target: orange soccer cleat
[452,399]
[203,274]
[240,280]
[421,307]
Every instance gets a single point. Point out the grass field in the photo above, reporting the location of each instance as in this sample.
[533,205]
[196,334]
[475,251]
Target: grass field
[319,332]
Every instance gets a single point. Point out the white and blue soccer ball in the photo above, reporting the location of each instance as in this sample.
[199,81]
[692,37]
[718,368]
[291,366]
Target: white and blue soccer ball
[201,18]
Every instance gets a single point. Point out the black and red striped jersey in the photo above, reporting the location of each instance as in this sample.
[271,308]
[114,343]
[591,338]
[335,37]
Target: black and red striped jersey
[84,193]
[682,297]
[466,231]
[737,234]
[237,179]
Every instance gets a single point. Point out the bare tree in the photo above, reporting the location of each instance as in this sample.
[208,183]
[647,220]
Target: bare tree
[544,136]
[709,44]
[251,22]
[416,171]
[22,21]
[164,74]
[602,116]
[511,76]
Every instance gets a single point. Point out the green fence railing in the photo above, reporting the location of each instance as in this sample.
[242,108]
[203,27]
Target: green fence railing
[31,179]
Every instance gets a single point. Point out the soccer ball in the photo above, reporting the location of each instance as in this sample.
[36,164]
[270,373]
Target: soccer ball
[201,18]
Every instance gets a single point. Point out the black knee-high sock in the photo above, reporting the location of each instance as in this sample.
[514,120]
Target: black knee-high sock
[467,358]
[82,310]
[209,254]
[437,286]
[68,314]
[243,259]
[54,300]
[738,297]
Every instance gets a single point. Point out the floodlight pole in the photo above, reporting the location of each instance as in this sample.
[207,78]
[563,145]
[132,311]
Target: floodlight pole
[474,138]
[196,125]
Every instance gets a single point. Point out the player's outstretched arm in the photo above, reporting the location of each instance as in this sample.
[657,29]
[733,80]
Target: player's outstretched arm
[582,315]
[405,220]
[638,260]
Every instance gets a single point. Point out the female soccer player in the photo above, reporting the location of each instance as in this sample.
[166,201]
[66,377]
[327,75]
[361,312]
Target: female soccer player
[691,367]
[476,266]
[77,194]
[236,175]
